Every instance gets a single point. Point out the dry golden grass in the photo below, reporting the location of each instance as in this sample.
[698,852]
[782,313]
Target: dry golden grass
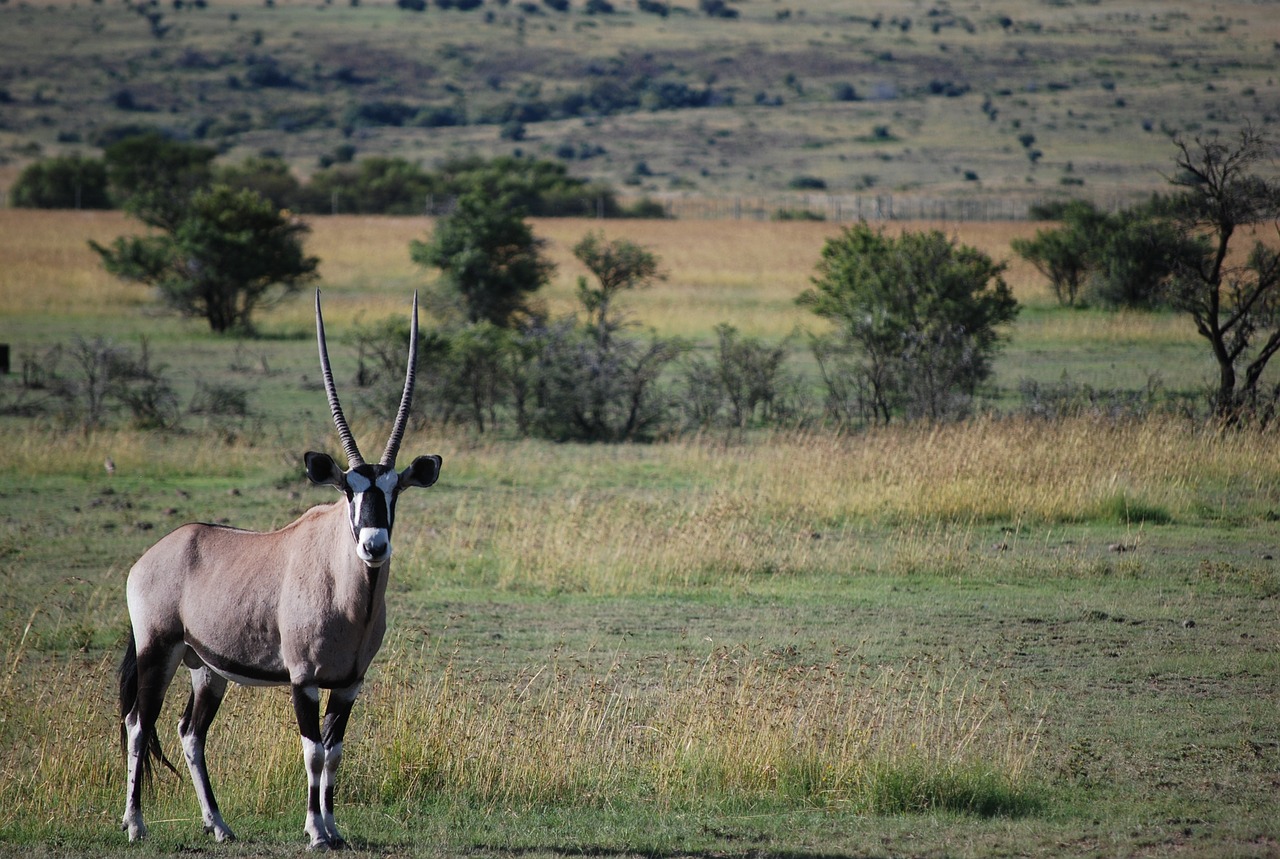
[693,513]
[46,265]
[744,273]
[730,725]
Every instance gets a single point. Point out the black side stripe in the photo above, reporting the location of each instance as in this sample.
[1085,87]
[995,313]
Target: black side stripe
[226,666]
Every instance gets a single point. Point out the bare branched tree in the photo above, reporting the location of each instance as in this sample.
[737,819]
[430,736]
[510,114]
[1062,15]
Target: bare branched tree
[1234,300]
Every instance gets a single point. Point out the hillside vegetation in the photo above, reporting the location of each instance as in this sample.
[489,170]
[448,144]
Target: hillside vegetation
[766,98]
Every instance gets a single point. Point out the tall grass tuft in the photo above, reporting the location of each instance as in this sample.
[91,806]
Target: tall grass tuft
[735,727]
[732,728]
[695,513]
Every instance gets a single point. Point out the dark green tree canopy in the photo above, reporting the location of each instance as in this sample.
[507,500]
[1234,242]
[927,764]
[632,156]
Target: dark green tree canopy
[270,177]
[488,254]
[231,253]
[921,310]
[1066,255]
[156,176]
[1120,259]
[70,182]
[391,186]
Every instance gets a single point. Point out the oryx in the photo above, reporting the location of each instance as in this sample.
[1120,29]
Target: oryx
[303,606]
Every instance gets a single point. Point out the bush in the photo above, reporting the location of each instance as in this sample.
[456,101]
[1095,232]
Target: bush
[807,183]
[717,9]
[919,310]
[268,177]
[1120,260]
[1137,258]
[71,182]
[579,389]
[741,386]
[1066,255]
[104,379]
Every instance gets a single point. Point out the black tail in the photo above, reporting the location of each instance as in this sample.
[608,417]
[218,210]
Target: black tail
[128,698]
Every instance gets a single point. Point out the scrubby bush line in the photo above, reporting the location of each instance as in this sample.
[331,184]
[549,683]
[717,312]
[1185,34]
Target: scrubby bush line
[370,186]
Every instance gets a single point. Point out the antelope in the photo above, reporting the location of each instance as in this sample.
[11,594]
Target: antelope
[304,606]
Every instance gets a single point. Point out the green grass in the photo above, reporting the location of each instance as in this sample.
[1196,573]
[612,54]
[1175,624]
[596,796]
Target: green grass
[1006,635]
[914,687]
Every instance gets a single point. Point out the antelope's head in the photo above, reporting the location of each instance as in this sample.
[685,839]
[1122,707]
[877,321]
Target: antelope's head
[371,489]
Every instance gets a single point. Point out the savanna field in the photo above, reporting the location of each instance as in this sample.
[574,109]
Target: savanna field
[1003,636]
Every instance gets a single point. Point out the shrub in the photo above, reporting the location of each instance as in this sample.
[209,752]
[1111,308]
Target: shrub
[807,183]
[268,177]
[1065,255]
[393,113]
[1120,260]
[920,310]
[579,389]
[70,182]
[106,378]
[717,9]
[740,386]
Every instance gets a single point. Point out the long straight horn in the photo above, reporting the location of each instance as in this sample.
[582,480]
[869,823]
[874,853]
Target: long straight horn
[354,458]
[406,399]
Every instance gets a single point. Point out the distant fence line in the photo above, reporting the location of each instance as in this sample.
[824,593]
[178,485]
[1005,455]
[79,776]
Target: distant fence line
[870,207]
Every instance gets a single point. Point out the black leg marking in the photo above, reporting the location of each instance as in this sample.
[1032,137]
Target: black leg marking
[144,677]
[306,707]
[337,714]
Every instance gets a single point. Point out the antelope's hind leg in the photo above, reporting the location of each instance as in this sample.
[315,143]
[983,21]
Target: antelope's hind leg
[207,689]
[145,674]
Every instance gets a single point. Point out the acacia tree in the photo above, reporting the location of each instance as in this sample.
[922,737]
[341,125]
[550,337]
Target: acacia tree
[1066,254]
[618,265]
[1235,304]
[488,255]
[228,254]
[922,313]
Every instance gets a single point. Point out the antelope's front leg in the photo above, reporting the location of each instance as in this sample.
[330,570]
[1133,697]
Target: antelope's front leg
[306,706]
[336,714]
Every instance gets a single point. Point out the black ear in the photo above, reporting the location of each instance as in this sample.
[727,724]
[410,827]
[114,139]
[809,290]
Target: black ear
[322,470]
[423,472]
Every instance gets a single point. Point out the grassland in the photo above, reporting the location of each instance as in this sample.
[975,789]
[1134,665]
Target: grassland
[1002,636]
[1011,101]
